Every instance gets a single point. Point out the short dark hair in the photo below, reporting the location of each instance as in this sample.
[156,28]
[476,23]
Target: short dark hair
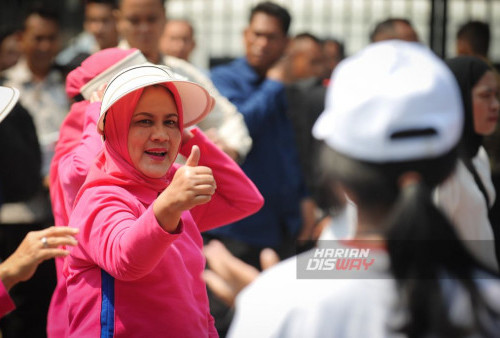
[112,3]
[307,35]
[387,26]
[120,2]
[275,10]
[185,20]
[44,10]
[478,34]
[6,31]
[339,44]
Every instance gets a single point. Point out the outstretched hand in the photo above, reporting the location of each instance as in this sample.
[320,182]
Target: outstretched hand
[36,247]
[191,185]
[228,275]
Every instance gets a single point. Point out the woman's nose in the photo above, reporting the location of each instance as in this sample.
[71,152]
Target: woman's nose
[159,134]
[496,103]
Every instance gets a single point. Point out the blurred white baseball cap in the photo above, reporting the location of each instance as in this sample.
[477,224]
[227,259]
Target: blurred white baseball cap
[8,99]
[196,101]
[392,101]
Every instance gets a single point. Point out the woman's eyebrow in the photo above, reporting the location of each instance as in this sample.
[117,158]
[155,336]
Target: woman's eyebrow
[151,115]
[143,113]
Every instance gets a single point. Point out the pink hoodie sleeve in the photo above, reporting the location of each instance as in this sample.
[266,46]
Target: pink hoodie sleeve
[6,303]
[74,166]
[127,246]
[212,333]
[236,196]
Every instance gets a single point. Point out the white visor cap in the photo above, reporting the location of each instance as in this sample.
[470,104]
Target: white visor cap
[8,99]
[392,101]
[196,101]
[133,59]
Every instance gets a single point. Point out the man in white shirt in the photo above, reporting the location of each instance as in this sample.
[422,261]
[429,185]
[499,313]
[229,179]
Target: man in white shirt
[41,85]
[140,24]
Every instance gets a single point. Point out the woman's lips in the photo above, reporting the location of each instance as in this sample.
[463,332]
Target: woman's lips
[156,154]
[493,118]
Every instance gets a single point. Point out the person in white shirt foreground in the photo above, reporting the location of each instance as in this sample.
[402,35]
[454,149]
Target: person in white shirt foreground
[392,124]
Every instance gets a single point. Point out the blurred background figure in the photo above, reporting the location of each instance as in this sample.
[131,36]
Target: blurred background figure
[304,67]
[178,39]
[303,58]
[9,47]
[41,85]
[468,194]
[140,25]
[99,33]
[333,53]
[20,158]
[473,39]
[256,84]
[394,28]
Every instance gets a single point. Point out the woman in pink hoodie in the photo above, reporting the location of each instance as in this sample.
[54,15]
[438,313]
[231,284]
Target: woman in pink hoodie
[78,145]
[137,268]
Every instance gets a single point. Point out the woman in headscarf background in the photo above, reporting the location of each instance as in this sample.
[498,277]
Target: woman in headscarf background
[77,146]
[467,195]
[137,269]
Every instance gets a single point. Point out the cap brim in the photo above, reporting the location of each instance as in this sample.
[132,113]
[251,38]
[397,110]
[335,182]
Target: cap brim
[8,99]
[196,101]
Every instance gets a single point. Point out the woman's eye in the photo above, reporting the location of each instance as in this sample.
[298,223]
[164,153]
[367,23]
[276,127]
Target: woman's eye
[144,122]
[171,122]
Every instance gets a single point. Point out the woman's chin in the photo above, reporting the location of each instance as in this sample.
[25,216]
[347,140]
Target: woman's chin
[155,173]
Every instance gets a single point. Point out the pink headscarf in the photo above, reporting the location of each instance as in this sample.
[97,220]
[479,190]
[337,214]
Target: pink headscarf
[72,127]
[114,166]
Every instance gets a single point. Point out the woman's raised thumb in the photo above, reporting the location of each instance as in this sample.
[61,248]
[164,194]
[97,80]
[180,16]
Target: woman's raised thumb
[194,157]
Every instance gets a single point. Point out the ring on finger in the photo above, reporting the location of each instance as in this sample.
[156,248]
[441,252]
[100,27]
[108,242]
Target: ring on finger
[44,242]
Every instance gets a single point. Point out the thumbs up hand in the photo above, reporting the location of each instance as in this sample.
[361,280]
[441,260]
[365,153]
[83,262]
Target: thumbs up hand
[194,157]
[191,185]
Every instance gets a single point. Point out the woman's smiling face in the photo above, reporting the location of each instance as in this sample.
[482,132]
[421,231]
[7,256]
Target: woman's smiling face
[154,134]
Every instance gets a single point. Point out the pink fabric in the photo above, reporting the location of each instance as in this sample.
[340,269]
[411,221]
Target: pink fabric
[78,145]
[156,276]
[71,131]
[6,303]
[93,66]
[72,170]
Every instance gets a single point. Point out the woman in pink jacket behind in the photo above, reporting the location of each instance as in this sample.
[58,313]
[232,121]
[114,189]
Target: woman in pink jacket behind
[137,268]
[78,144]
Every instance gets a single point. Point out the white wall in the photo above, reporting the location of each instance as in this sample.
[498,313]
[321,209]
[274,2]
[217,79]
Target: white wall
[219,23]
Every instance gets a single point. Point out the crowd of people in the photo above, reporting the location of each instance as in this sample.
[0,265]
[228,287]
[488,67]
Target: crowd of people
[169,194]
